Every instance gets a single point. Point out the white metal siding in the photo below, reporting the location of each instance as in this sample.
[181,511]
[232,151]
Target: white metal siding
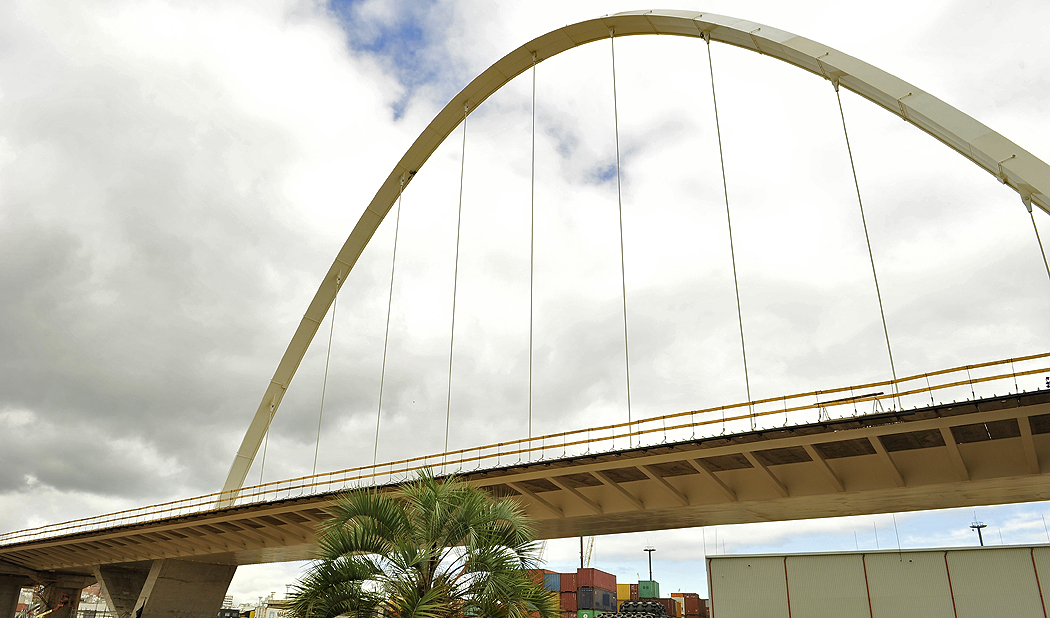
[827,587]
[994,583]
[749,588]
[909,585]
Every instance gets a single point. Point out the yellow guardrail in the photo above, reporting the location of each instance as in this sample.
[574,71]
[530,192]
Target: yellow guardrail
[602,439]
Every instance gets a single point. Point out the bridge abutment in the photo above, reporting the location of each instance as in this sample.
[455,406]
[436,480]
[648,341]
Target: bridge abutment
[181,589]
[10,587]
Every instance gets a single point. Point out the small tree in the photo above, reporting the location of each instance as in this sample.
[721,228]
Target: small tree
[431,549]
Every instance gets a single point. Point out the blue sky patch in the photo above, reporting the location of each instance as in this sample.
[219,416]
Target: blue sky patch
[402,44]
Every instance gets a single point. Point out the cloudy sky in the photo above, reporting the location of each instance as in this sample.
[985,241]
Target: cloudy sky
[175,178]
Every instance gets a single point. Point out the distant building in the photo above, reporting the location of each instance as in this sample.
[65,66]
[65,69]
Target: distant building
[932,583]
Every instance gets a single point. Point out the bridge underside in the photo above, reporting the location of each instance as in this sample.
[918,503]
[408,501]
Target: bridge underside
[991,451]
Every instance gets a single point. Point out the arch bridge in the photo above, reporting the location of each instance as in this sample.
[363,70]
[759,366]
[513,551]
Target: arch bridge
[851,450]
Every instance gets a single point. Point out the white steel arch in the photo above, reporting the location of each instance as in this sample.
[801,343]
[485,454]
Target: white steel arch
[1008,162]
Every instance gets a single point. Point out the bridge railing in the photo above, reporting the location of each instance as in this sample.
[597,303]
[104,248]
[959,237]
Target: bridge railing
[968,382]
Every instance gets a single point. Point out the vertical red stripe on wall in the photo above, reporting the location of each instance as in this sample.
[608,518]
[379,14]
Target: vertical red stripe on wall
[710,590]
[787,587]
[867,589]
[951,591]
[1038,586]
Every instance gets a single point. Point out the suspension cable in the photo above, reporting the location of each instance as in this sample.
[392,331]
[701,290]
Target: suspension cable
[532,237]
[455,280]
[1028,205]
[729,223]
[328,358]
[389,305]
[619,203]
[867,239]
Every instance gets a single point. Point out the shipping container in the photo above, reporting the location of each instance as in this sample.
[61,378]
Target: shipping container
[573,615]
[568,583]
[567,602]
[593,578]
[596,598]
[679,602]
[552,582]
[670,606]
[694,605]
[648,589]
[634,592]
[623,592]
[588,613]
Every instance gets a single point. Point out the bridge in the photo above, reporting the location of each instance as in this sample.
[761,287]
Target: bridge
[869,448]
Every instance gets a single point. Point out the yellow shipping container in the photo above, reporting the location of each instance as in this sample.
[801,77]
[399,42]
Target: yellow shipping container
[623,593]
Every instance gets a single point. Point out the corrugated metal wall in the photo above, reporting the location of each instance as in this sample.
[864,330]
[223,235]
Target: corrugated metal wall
[1041,558]
[752,587]
[979,573]
[990,582]
[830,585]
[909,585]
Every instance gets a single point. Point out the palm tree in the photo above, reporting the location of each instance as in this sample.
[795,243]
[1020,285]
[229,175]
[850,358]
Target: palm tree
[431,549]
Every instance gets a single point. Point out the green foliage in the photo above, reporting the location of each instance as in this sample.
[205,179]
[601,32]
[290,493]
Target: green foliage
[431,549]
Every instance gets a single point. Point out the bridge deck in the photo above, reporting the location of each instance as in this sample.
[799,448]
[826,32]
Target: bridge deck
[990,451]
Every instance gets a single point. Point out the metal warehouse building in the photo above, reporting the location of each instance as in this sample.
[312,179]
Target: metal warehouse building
[985,582]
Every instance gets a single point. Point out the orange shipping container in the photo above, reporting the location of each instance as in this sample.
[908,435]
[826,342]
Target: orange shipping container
[568,601]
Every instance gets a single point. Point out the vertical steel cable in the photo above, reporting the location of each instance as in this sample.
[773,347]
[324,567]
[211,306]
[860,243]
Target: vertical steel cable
[729,223]
[623,271]
[1028,205]
[532,236]
[455,282]
[389,305]
[867,239]
[324,384]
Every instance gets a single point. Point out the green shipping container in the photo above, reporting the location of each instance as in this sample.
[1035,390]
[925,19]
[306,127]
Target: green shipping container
[588,613]
[648,590]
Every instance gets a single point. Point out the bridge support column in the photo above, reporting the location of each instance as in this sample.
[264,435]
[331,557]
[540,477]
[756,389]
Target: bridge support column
[10,587]
[121,587]
[183,589]
[62,596]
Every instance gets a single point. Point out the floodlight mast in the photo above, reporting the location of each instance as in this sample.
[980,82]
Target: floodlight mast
[649,550]
[977,525]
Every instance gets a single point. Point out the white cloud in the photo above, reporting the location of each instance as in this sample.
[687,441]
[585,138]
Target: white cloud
[175,178]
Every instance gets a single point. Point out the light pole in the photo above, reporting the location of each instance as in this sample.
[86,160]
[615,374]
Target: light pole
[976,525]
[649,550]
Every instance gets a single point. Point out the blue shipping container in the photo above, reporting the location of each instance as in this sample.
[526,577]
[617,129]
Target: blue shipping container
[552,582]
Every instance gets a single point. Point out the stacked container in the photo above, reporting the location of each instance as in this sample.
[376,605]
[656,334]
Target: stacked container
[597,590]
[670,607]
[596,599]
[634,593]
[679,599]
[648,589]
[567,582]
[567,602]
[623,592]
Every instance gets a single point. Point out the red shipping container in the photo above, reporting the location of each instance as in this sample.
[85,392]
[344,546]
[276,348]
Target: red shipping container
[568,602]
[670,606]
[634,592]
[573,615]
[593,578]
[568,582]
[692,604]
